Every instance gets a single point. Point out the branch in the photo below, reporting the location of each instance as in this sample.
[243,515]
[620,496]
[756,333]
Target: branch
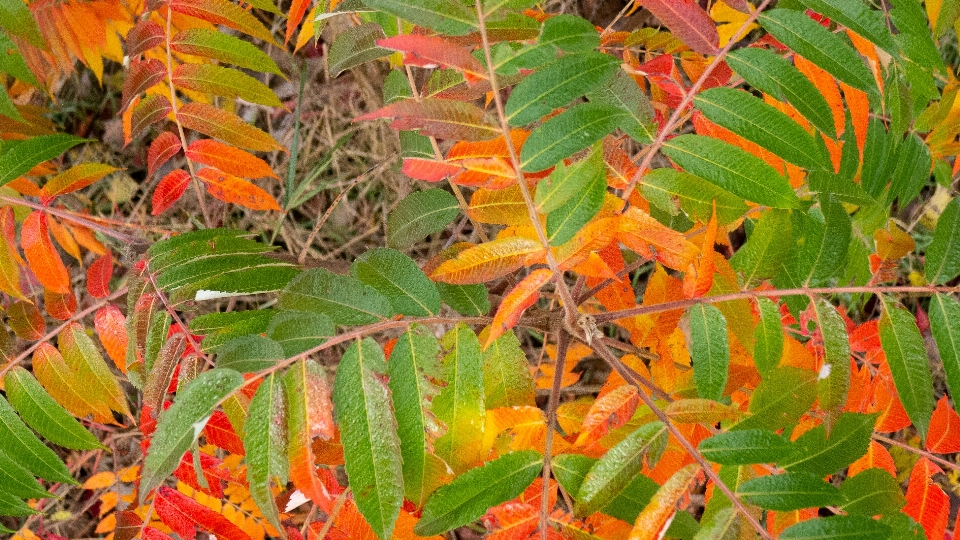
[563,340]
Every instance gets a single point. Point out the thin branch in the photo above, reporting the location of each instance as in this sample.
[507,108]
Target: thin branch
[563,340]
[337,506]
[675,118]
[83,221]
[920,452]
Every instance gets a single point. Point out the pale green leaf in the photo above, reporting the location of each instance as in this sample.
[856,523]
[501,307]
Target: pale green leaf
[420,214]
[216,45]
[265,442]
[460,404]
[872,492]
[768,337]
[907,358]
[399,278]
[506,374]
[357,45]
[833,383]
[18,157]
[945,327]
[709,350]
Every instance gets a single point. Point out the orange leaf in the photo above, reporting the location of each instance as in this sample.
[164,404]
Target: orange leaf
[441,118]
[876,457]
[61,382]
[653,521]
[99,275]
[491,148]
[229,159]
[859,106]
[492,172]
[430,51]
[184,515]
[226,13]
[161,150]
[100,480]
[608,413]
[85,238]
[59,306]
[297,9]
[9,269]
[147,112]
[64,238]
[169,190]
[429,170]
[944,434]
[26,321]
[42,256]
[229,188]
[926,501]
[77,177]
[516,302]
[512,521]
[528,425]
[699,276]
[111,327]
[827,86]
[502,207]
[653,240]
[226,126]
[488,261]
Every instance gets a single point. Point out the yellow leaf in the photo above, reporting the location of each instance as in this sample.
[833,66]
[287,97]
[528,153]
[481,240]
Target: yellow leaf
[656,517]
[488,261]
[730,21]
[100,480]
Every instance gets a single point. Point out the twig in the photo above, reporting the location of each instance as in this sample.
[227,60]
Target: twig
[563,340]
[337,506]
[918,451]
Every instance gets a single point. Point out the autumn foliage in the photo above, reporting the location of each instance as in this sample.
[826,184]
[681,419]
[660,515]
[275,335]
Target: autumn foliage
[690,272]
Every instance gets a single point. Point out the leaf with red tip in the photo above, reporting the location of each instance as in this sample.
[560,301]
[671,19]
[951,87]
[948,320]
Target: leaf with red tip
[441,118]
[59,306]
[688,22]
[944,434]
[488,261]
[213,473]
[225,126]
[144,36]
[229,159]
[164,147]
[926,501]
[77,177]
[231,189]
[99,275]
[608,413]
[184,515]
[149,111]
[653,521]
[26,321]
[516,302]
[226,13]
[433,51]
[142,75]
[309,413]
[429,170]
[169,190]
[219,432]
[111,327]
[41,255]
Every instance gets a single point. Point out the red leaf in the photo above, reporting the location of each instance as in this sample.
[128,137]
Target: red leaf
[143,37]
[149,533]
[433,51]
[516,302]
[511,521]
[607,414]
[161,150]
[232,189]
[688,21]
[926,501]
[59,306]
[42,256]
[169,190]
[229,159]
[98,276]
[944,434]
[219,432]
[142,75]
[184,515]
[429,170]
[297,9]
[111,327]
[149,111]
[441,118]
[212,472]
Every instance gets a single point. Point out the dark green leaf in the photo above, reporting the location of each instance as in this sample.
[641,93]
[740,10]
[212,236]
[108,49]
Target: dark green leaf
[732,169]
[19,157]
[470,495]
[789,491]
[945,326]
[567,220]
[16,480]
[568,133]
[912,170]
[299,331]
[666,187]
[879,158]
[45,415]
[622,92]
[826,238]
[943,253]
[780,399]
[833,382]
[249,354]
[816,453]
[16,439]
[265,442]
[471,300]
[344,299]
[907,358]
[400,279]
[872,492]
[745,447]
[357,45]
[181,424]
[420,214]
[11,505]
[837,528]
[709,350]
[368,431]
[768,337]
[914,36]
[856,16]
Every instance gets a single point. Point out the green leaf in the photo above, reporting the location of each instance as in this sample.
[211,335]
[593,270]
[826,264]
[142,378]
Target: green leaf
[299,331]
[816,453]
[357,45]
[16,439]
[249,354]
[453,18]
[754,120]
[837,528]
[420,214]
[16,480]
[817,44]
[724,525]
[16,18]
[665,187]
[780,399]
[565,222]
[400,279]
[558,84]
[471,300]
[912,170]
[568,133]
[879,158]
[623,92]
[45,415]
[265,442]
[789,491]
[613,472]
[11,505]
[368,431]
[414,365]
[227,82]
[825,240]
[943,253]
[771,74]
[19,157]
[907,358]
[344,299]
[225,48]
[567,181]
[745,447]
[83,357]
[469,496]
[460,404]
[181,424]
[506,374]
[945,327]
[571,469]
[872,492]
[732,169]
[768,337]
[914,36]
[833,383]
[768,245]
[709,350]
[856,16]
[569,33]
